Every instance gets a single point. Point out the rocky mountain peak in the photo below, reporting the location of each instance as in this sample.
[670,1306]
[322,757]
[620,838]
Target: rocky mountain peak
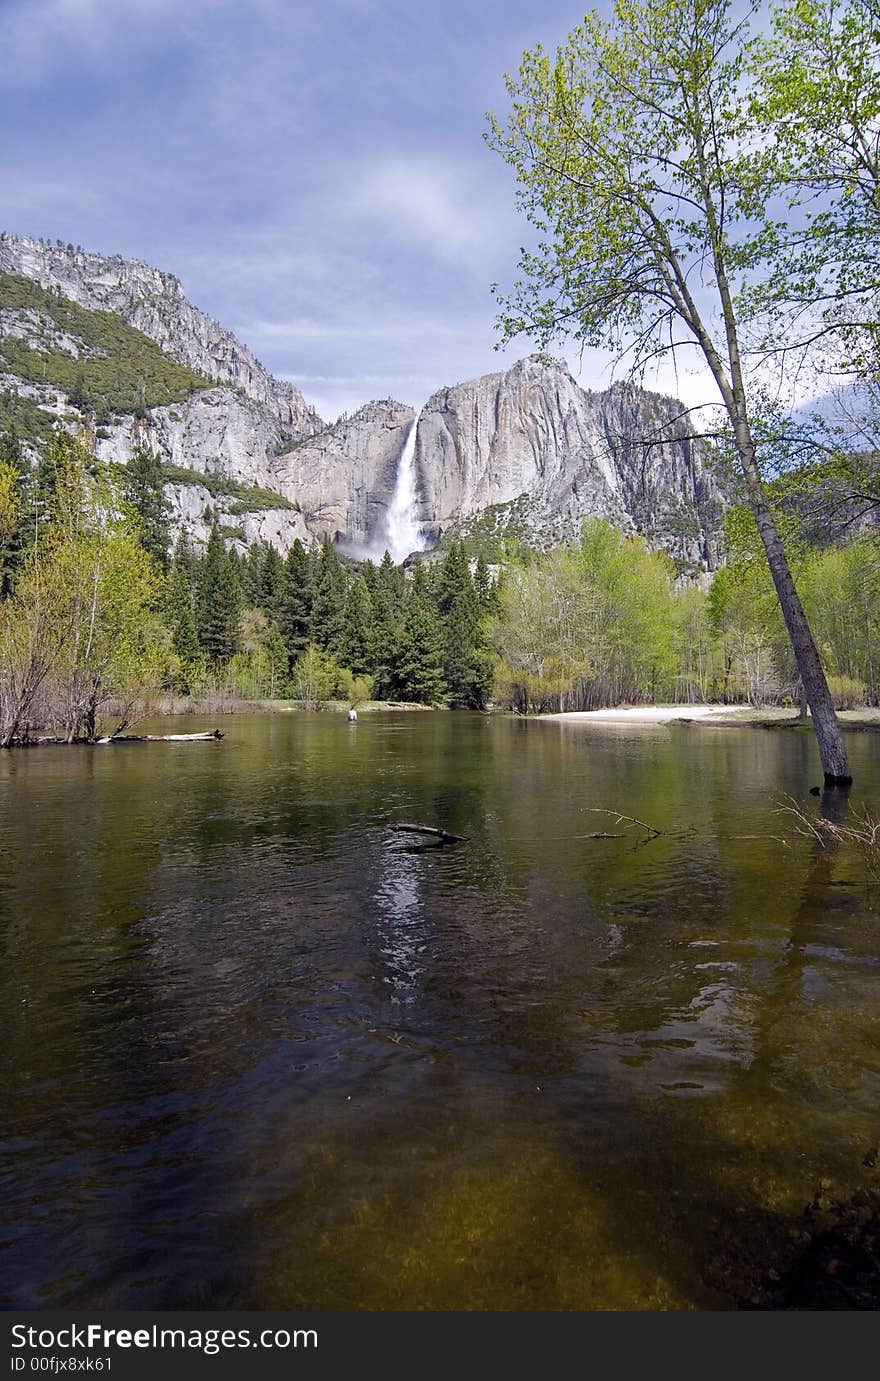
[540,454]
[153,301]
[523,451]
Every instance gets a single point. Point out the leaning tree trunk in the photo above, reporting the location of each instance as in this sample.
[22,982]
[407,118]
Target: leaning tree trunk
[835,763]
[832,751]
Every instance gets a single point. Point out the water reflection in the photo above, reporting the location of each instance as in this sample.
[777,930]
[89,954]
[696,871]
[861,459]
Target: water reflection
[535,1070]
[401,928]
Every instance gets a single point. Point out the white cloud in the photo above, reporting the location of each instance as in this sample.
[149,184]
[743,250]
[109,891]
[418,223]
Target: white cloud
[366,328]
[430,202]
[39,34]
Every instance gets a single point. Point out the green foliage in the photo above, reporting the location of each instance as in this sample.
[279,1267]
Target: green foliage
[815,95]
[271,584]
[746,621]
[465,668]
[587,625]
[622,145]
[218,600]
[141,483]
[10,519]
[119,370]
[180,617]
[80,629]
[259,669]
[637,161]
[354,689]
[297,597]
[387,594]
[417,663]
[22,421]
[248,498]
[357,641]
[847,692]
[316,677]
[328,605]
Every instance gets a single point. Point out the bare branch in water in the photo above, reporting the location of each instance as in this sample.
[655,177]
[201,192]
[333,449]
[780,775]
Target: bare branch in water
[630,820]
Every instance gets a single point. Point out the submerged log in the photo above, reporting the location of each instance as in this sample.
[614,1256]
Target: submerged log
[443,835]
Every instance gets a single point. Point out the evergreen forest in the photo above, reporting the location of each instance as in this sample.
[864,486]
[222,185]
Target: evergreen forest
[103,618]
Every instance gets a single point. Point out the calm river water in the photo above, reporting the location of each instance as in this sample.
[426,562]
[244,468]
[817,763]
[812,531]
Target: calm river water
[261,1052]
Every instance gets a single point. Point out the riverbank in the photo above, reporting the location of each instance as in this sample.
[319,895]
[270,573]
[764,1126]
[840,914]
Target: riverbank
[724,716]
[644,714]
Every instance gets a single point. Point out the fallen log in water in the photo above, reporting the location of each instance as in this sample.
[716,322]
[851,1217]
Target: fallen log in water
[206,737]
[443,835]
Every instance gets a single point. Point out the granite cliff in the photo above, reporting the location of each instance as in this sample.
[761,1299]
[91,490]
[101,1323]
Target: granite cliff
[529,452]
[154,303]
[344,477]
[523,452]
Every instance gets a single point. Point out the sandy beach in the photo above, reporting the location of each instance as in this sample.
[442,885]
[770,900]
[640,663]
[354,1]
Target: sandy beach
[648,714]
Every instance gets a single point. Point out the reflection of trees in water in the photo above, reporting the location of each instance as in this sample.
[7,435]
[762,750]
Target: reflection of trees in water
[728,1007]
[598,970]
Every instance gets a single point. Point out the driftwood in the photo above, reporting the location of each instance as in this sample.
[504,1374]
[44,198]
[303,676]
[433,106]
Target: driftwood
[206,737]
[442,835]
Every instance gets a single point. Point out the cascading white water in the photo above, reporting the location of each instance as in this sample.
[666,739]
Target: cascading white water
[403,531]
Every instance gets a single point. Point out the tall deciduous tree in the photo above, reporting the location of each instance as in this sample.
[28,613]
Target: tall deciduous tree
[816,99]
[632,152]
[80,626]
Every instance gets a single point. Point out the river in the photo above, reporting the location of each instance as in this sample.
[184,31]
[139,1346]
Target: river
[261,1051]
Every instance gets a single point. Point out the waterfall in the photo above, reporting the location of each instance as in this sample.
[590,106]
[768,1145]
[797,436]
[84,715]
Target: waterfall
[404,534]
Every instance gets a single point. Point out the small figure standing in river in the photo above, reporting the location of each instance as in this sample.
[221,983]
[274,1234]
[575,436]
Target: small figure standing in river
[352,714]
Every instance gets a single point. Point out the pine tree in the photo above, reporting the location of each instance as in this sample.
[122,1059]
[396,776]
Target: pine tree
[329,602]
[218,599]
[386,600]
[14,479]
[418,660]
[460,628]
[185,557]
[297,595]
[251,568]
[180,615]
[394,580]
[142,483]
[271,595]
[79,397]
[357,642]
[11,449]
[484,587]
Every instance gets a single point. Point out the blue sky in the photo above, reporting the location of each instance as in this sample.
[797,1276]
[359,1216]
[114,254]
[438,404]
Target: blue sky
[315,173]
